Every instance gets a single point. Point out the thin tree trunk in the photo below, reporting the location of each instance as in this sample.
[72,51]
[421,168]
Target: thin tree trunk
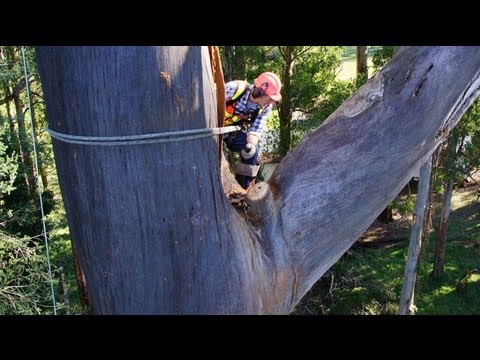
[153,230]
[406,297]
[41,165]
[449,163]
[439,260]
[22,134]
[362,61]
[430,209]
[66,302]
[234,65]
[285,111]
[229,52]
[386,216]
[14,137]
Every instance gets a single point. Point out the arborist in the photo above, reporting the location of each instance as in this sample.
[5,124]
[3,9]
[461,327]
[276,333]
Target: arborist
[249,106]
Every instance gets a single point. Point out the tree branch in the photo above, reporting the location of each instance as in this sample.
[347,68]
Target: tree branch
[332,186]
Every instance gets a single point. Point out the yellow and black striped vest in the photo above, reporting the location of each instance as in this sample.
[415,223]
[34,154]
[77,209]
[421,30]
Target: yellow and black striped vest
[230,117]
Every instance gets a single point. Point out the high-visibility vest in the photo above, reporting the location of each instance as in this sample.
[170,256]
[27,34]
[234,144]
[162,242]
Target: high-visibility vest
[230,117]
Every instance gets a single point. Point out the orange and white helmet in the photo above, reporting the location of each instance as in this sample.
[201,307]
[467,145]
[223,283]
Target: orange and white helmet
[270,83]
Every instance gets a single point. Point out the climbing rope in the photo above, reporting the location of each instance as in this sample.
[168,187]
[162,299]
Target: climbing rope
[38,182]
[169,136]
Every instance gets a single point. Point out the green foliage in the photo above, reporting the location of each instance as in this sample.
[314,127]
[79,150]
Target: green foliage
[314,77]
[381,56]
[331,100]
[24,281]
[313,90]
[460,163]
[270,138]
[22,214]
[8,168]
[19,207]
[404,206]
[468,132]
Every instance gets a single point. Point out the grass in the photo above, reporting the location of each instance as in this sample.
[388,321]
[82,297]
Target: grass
[368,279]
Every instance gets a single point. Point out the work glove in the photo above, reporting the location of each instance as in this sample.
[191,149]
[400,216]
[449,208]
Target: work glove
[249,151]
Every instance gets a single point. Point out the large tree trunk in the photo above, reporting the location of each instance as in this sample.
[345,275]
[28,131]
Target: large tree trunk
[152,227]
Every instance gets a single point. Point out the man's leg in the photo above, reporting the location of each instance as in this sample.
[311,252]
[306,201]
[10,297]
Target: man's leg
[248,169]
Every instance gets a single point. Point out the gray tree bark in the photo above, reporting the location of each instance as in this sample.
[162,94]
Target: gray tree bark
[153,230]
[397,49]
[406,297]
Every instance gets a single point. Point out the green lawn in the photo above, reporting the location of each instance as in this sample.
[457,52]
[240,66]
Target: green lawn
[368,278]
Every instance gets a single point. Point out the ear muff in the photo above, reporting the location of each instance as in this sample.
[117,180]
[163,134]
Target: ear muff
[257,92]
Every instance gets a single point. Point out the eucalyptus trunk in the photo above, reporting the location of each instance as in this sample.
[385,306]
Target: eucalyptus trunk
[407,296]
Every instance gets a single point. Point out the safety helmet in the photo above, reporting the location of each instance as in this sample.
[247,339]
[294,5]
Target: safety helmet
[270,83]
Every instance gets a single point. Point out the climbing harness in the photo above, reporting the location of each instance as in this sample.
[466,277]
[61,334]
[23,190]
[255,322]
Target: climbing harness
[38,182]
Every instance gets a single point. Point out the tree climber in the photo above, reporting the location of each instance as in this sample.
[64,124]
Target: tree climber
[249,106]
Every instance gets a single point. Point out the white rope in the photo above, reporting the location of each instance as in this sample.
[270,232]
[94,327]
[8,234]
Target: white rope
[169,136]
[38,182]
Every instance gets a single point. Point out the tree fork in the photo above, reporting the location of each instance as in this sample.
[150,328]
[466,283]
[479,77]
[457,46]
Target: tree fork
[155,233]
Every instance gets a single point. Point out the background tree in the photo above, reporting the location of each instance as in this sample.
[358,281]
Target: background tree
[151,243]
[383,56]
[234,63]
[308,76]
[21,204]
[362,63]
[450,155]
[24,286]
[459,159]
